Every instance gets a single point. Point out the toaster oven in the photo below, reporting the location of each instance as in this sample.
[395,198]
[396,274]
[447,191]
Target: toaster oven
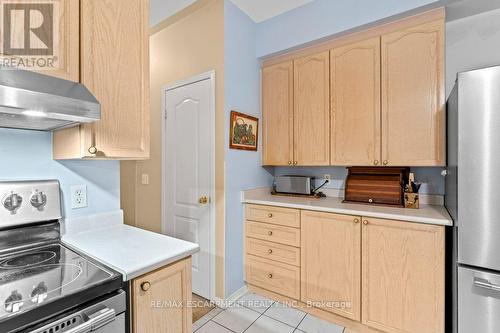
[294,185]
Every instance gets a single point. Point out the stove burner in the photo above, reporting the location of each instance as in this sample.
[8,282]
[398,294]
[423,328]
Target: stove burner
[15,301]
[27,260]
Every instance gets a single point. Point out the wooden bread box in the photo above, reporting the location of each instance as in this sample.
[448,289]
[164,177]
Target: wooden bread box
[379,186]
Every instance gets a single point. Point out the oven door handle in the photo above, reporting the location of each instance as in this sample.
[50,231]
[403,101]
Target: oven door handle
[96,321]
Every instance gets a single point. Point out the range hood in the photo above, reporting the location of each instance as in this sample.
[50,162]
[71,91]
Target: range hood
[34,101]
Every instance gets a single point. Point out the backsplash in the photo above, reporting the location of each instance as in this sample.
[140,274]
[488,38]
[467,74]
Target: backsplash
[27,155]
[431,179]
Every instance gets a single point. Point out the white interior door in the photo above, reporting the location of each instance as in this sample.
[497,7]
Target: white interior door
[188,173]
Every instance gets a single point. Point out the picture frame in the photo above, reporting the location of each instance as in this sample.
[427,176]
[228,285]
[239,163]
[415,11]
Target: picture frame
[243,132]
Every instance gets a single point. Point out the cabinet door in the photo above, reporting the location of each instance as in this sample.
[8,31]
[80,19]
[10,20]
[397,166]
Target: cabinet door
[331,263]
[355,91]
[115,67]
[403,276]
[413,104]
[63,60]
[161,300]
[277,114]
[312,110]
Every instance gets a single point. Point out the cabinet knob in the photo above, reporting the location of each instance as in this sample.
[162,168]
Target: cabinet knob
[365,222]
[270,276]
[270,251]
[270,233]
[375,162]
[289,162]
[92,150]
[270,215]
[370,200]
[295,163]
[145,286]
[356,220]
[386,162]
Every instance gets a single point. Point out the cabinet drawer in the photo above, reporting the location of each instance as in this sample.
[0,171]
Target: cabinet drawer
[273,233]
[275,215]
[274,276]
[269,250]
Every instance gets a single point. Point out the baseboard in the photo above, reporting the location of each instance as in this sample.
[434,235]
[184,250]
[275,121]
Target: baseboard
[224,303]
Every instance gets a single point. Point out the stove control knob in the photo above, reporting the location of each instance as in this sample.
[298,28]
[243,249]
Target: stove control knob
[39,294]
[38,200]
[13,202]
[14,302]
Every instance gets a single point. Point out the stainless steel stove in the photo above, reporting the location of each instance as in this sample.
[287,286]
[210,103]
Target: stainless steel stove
[44,286]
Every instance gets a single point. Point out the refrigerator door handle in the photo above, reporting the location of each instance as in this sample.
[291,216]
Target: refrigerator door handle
[483,283]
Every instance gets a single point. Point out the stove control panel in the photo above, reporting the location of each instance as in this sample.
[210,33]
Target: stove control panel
[29,201]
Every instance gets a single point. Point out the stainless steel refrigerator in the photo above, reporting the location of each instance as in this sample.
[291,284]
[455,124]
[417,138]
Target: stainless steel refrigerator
[473,199]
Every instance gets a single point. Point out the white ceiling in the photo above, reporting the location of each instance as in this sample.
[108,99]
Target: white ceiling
[261,10]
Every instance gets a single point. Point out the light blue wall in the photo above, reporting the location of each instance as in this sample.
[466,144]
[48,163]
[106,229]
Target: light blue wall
[27,155]
[322,18]
[431,179]
[243,168]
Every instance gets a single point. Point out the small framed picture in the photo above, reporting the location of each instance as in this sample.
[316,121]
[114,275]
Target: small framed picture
[244,132]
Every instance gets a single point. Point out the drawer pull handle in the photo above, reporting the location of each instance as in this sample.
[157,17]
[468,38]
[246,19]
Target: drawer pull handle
[386,162]
[270,276]
[270,215]
[365,222]
[145,286]
[270,251]
[270,233]
[375,162]
[370,200]
[483,283]
[356,220]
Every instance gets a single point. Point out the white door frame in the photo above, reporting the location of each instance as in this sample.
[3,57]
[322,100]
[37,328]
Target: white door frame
[194,79]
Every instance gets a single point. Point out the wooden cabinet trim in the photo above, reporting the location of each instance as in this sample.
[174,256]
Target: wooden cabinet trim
[345,38]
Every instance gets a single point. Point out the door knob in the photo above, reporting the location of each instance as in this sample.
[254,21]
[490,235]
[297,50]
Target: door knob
[203,200]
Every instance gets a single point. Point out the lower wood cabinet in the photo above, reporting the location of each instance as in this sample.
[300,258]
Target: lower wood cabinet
[331,262]
[160,300]
[387,275]
[403,276]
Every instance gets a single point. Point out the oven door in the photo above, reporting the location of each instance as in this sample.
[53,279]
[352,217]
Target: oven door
[106,316]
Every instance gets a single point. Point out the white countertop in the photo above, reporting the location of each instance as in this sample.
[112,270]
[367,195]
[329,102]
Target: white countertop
[128,250]
[428,214]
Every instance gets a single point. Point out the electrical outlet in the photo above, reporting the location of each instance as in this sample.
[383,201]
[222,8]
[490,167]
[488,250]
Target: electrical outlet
[78,196]
[327,178]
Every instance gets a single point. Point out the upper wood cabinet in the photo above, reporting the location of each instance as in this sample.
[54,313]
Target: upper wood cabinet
[115,68]
[381,90]
[355,95]
[312,110]
[166,287]
[277,114]
[413,101]
[331,262]
[403,276]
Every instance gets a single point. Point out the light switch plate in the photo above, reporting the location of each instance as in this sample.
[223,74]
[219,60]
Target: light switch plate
[78,196]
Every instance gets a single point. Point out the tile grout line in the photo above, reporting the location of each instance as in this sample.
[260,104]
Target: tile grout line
[296,328]
[260,315]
